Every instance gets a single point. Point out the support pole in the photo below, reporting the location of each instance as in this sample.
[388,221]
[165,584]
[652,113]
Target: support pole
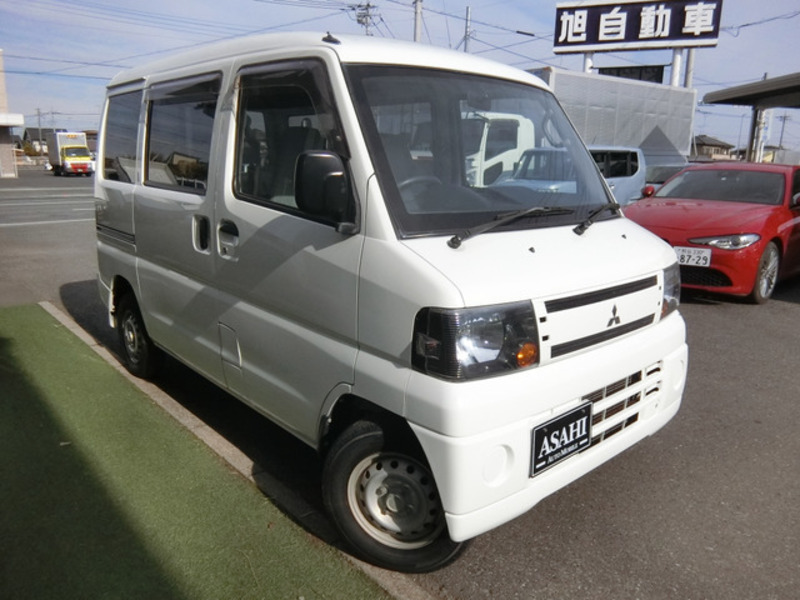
[588,62]
[689,75]
[677,59]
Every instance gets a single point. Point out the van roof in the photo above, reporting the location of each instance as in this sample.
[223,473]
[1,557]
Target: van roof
[349,49]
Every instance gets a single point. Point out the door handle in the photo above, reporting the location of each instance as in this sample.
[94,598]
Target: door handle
[201,229]
[227,239]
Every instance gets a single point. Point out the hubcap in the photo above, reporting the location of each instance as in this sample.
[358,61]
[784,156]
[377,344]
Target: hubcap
[394,499]
[131,339]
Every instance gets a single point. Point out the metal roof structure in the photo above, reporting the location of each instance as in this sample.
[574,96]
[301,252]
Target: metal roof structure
[778,92]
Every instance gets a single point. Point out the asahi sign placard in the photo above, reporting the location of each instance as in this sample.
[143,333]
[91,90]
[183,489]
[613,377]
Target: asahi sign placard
[599,25]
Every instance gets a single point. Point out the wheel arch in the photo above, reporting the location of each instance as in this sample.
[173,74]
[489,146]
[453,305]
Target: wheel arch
[120,287]
[350,408]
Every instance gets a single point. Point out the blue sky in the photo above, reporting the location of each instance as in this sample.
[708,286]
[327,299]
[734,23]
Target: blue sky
[59,54]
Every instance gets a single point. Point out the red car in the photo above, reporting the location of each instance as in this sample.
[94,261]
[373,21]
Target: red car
[735,227]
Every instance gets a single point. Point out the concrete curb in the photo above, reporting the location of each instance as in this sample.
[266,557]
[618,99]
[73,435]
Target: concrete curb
[398,585]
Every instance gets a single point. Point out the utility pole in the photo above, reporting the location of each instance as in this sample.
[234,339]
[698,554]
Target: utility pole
[364,16]
[467,29]
[783,118]
[39,117]
[417,19]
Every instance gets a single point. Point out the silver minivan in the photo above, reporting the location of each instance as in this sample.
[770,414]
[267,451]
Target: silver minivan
[624,169]
[456,350]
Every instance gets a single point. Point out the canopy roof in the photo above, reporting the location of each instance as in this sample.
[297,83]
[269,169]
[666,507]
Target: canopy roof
[783,92]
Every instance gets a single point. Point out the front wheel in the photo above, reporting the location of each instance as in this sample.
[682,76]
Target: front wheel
[384,501]
[767,274]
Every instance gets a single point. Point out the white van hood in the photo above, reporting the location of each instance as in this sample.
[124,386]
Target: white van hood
[505,266]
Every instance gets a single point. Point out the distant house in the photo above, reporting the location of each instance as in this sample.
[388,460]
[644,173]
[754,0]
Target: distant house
[706,147]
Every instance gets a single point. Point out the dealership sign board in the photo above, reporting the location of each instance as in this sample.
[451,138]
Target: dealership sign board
[600,25]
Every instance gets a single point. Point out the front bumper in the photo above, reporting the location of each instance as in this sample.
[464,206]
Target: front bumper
[481,453]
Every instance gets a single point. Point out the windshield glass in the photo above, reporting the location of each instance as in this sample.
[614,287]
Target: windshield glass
[730,185]
[454,150]
[75,151]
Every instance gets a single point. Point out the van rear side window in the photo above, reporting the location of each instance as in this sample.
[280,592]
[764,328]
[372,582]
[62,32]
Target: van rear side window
[180,124]
[121,129]
[616,164]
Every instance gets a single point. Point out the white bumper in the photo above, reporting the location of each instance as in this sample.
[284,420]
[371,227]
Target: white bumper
[480,447]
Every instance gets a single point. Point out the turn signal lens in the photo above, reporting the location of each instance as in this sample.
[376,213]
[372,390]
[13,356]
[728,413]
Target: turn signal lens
[527,355]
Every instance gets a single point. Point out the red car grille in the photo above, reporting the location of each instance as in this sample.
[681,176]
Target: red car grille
[704,276]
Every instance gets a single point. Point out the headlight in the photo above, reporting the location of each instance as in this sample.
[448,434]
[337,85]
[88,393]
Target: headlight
[672,290]
[468,343]
[728,242]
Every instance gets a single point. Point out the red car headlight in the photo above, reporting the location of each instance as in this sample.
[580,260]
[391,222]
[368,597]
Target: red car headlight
[728,242]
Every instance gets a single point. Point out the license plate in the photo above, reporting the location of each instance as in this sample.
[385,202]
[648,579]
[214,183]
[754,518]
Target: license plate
[693,257]
[560,438]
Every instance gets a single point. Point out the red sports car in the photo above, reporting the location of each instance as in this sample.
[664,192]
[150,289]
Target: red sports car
[735,227]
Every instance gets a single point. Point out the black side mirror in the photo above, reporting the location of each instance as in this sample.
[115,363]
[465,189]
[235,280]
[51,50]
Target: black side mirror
[322,189]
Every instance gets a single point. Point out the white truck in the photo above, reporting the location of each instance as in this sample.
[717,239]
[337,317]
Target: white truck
[69,153]
[614,111]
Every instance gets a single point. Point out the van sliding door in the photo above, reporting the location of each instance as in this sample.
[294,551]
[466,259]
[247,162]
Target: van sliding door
[173,214]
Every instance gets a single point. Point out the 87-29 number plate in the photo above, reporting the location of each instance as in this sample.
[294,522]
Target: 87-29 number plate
[561,437]
[693,257]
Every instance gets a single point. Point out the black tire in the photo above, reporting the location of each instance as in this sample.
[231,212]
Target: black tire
[141,357]
[767,274]
[384,502]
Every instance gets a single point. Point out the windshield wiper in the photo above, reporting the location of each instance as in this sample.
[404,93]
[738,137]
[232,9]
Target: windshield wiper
[502,219]
[581,227]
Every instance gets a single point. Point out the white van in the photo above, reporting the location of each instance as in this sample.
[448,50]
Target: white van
[455,352]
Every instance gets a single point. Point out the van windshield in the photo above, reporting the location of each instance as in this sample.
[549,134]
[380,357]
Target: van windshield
[453,150]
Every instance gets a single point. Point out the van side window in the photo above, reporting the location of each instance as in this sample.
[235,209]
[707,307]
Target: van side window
[121,132]
[180,124]
[281,113]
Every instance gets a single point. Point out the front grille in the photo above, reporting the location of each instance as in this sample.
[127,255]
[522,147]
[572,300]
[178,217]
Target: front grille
[600,295]
[617,397]
[704,276]
[589,319]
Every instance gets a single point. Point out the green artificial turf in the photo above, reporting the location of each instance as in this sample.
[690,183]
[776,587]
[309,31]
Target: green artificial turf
[102,495]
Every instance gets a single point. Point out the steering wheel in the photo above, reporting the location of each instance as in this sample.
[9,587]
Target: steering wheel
[417,179]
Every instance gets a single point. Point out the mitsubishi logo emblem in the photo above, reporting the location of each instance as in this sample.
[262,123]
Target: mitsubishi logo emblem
[614,320]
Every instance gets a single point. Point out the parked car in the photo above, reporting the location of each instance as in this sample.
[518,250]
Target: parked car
[657,174]
[734,226]
[624,170]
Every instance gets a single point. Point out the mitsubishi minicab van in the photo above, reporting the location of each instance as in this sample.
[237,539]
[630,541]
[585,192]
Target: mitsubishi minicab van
[455,351]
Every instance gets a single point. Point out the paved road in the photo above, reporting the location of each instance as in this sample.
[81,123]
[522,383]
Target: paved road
[706,509]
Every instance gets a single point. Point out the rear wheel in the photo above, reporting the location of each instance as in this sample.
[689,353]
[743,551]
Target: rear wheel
[141,356]
[767,274]
[384,501]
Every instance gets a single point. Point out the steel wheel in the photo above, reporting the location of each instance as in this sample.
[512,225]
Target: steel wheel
[394,500]
[142,357]
[383,499]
